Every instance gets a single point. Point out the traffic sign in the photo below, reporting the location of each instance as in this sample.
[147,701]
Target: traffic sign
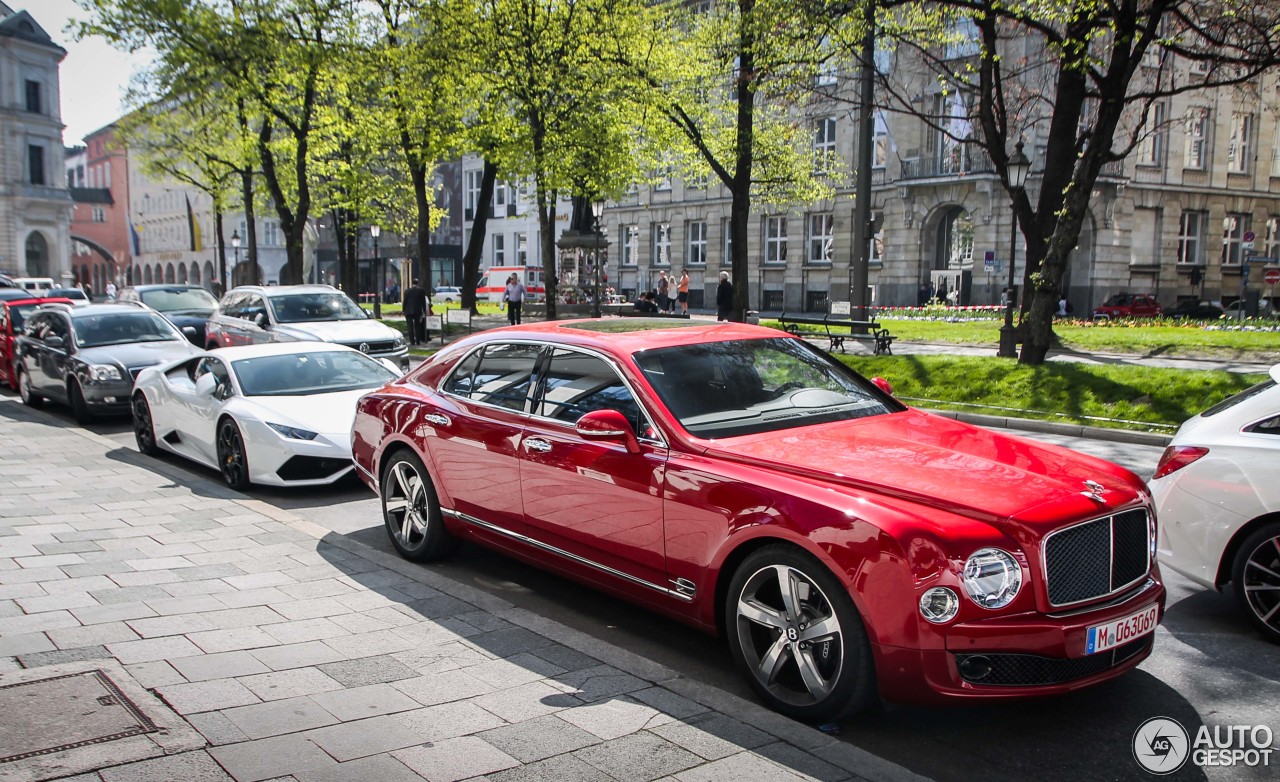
[1271,276]
[1249,236]
[1247,244]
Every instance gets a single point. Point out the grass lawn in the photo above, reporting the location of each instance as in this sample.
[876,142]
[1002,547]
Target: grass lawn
[1132,397]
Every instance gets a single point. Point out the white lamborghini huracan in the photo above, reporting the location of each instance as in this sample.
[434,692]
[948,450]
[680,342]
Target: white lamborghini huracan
[277,413]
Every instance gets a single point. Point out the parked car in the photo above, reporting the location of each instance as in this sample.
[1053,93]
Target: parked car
[188,307]
[13,316]
[446,294]
[34,285]
[741,480]
[88,357]
[13,294]
[75,295]
[1218,501]
[1194,309]
[277,414]
[1129,305]
[254,314]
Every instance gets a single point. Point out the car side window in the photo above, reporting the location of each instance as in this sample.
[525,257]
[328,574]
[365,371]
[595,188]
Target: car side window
[211,365]
[578,383]
[36,326]
[1269,426]
[502,375]
[58,326]
[253,306]
[231,304]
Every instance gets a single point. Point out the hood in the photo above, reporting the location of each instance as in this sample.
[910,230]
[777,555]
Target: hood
[329,414]
[935,461]
[345,331]
[138,354]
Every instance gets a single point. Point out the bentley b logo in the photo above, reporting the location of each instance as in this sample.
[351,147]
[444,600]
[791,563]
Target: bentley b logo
[1094,491]
[792,634]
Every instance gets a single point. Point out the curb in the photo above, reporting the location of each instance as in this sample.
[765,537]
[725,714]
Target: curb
[1050,427]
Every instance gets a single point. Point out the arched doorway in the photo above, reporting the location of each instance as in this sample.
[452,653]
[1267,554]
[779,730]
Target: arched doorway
[953,248]
[182,274]
[146,275]
[209,276]
[37,255]
[168,274]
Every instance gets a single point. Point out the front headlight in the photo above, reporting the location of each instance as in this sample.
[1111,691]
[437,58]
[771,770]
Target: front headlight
[939,605]
[104,372]
[992,578]
[292,432]
[399,343]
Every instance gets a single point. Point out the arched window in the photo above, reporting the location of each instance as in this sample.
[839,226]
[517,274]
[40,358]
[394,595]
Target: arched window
[182,274]
[955,240]
[168,273]
[194,278]
[37,251]
[146,275]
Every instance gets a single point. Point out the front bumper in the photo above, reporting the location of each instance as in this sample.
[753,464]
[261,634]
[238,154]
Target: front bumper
[110,396]
[278,461]
[1027,654]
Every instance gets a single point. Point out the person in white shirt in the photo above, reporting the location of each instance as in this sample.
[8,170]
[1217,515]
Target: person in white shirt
[111,291]
[513,297]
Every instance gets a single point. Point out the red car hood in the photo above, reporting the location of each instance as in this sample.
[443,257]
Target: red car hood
[939,462]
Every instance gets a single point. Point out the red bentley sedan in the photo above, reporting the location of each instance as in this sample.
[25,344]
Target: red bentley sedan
[13,315]
[847,546]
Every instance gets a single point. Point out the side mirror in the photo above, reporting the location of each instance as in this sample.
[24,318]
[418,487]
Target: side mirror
[608,425]
[883,385]
[54,341]
[189,331]
[206,384]
[260,319]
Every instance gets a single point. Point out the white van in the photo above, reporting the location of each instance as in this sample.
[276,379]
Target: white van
[36,284]
[493,282]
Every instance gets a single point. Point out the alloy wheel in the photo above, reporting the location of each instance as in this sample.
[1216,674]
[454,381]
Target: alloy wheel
[1261,583]
[408,507]
[143,430]
[231,458]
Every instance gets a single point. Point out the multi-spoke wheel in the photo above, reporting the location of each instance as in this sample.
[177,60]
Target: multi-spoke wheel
[29,396]
[795,632]
[79,407]
[231,456]
[144,433]
[411,511]
[1256,579]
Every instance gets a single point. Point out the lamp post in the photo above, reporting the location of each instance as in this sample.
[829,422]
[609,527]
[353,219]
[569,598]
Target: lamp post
[375,231]
[1229,225]
[235,246]
[1018,167]
[597,211]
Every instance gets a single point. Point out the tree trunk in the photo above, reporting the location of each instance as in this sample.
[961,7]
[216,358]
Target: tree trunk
[219,286]
[547,237]
[475,244]
[740,188]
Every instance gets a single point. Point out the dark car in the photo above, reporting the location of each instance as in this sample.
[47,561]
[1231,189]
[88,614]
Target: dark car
[12,294]
[13,316]
[1194,309]
[88,357]
[188,307]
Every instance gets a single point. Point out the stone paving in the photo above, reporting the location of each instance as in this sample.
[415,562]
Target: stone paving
[304,656]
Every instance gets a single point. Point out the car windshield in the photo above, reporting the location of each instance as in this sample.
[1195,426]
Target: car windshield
[1116,300]
[306,307]
[323,372]
[66,293]
[180,300]
[725,389]
[118,328]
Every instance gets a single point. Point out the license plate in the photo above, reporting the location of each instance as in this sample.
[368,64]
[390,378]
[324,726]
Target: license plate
[1121,631]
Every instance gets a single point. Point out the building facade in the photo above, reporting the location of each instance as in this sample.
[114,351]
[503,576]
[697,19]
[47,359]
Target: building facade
[35,204]
[98,177]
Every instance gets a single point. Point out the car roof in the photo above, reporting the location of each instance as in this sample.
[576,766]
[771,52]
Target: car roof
[283,290]
[104,309]
[238,352]
[36,300]
[164,286]
[630,335]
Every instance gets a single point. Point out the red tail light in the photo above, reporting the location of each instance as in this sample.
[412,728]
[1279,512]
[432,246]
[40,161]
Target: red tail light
[1175,457]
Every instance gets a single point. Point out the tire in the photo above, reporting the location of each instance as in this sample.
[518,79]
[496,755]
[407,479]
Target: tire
[29,397]
[411,511]
[144,431]
[232,460]
[1254,579]
[817,674]
[79,408]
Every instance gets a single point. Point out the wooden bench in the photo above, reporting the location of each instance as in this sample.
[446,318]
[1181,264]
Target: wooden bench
[837,329]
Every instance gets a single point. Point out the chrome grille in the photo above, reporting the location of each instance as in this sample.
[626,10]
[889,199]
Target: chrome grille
[382,346]
[1097,558]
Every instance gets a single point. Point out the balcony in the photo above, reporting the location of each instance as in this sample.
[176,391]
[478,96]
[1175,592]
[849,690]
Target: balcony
[973,161]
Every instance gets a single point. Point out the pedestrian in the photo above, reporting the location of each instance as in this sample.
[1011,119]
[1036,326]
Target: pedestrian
[664,290]
[111,291]
[513,297]
[1004,298]
[645,305]
[682,292]
[416,308]
[724,297]
[88,290]
[1063,307]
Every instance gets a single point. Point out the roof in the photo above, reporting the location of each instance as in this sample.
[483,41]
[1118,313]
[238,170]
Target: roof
[163,286]
[20,24]
[629,335]
[104,309]
[238,352]
[284,290]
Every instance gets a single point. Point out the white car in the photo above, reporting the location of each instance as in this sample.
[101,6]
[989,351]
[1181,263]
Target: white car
[276,414]
[1217,498]
[446,294]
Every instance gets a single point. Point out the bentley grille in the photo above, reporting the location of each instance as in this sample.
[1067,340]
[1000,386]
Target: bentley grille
[1097,558]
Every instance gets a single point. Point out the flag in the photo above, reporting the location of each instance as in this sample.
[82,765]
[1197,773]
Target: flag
[194,225]
[135,241]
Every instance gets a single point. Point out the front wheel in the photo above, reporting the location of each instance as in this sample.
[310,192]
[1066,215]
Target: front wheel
[144,432]
[797,636]
[29,396]
[1255,579]
[231,455]
[79,407]
[411,511]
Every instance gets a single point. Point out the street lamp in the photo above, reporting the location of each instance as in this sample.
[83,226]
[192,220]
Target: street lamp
[597,211]
[375,231]
[1018,167]
[235,246]
[1229,225]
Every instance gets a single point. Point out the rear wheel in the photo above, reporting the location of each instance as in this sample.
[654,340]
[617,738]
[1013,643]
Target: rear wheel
[1255,578]
[411,511]
[29,396]
[231,455]
[797,636]
[144,433]
[79,408]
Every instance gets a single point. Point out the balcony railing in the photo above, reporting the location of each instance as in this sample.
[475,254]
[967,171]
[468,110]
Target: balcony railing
[973,161]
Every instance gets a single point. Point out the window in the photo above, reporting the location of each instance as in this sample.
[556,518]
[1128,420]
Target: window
[271,233]
[522,249]
[630,245]
[1273,237]
[824,145]
[1234,228]
[726,230]
[472,195]
[499,250]
[662,244]
[1197,132]
[697,255]
[827,73]
[821,233]
[1151,148]
[99,214]
[577,384]
[497,375]
[880,142]
[500,199]
[34,104]
[775,239]
[663,178]
[1240,150]
[1190,238]
[35,164]
[877,238]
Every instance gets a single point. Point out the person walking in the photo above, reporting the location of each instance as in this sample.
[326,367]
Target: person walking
[111,291]
[664,291]
[416,309]
[513,297]
[682,292]
[724,297]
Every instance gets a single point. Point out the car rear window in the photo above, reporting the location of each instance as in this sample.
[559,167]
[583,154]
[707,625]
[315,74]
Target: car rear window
[1231,402]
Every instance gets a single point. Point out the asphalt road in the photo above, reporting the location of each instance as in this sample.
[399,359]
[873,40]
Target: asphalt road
[1209,667]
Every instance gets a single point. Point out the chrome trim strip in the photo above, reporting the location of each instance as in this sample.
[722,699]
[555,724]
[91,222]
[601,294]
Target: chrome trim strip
[1110,519]
[472,520]
[1122,598]
[371,476]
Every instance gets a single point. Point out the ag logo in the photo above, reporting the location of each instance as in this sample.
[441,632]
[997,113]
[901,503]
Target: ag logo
[1161,745]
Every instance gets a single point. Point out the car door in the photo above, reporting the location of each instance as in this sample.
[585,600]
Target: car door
[253,318]
[476,427]
[197,413]
[49,376]
[223,326]
[593,499]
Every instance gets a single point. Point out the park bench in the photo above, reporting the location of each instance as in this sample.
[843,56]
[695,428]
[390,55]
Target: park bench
[838,328]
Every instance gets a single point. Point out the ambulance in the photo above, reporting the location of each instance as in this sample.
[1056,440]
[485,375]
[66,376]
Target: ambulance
[493,282]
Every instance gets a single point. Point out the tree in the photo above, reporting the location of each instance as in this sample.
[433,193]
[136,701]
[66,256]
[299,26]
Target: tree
[1084,76]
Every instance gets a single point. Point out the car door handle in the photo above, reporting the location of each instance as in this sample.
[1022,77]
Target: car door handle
[537,444]
[437,419]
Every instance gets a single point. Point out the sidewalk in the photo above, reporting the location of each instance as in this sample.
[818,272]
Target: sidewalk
[254,645]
